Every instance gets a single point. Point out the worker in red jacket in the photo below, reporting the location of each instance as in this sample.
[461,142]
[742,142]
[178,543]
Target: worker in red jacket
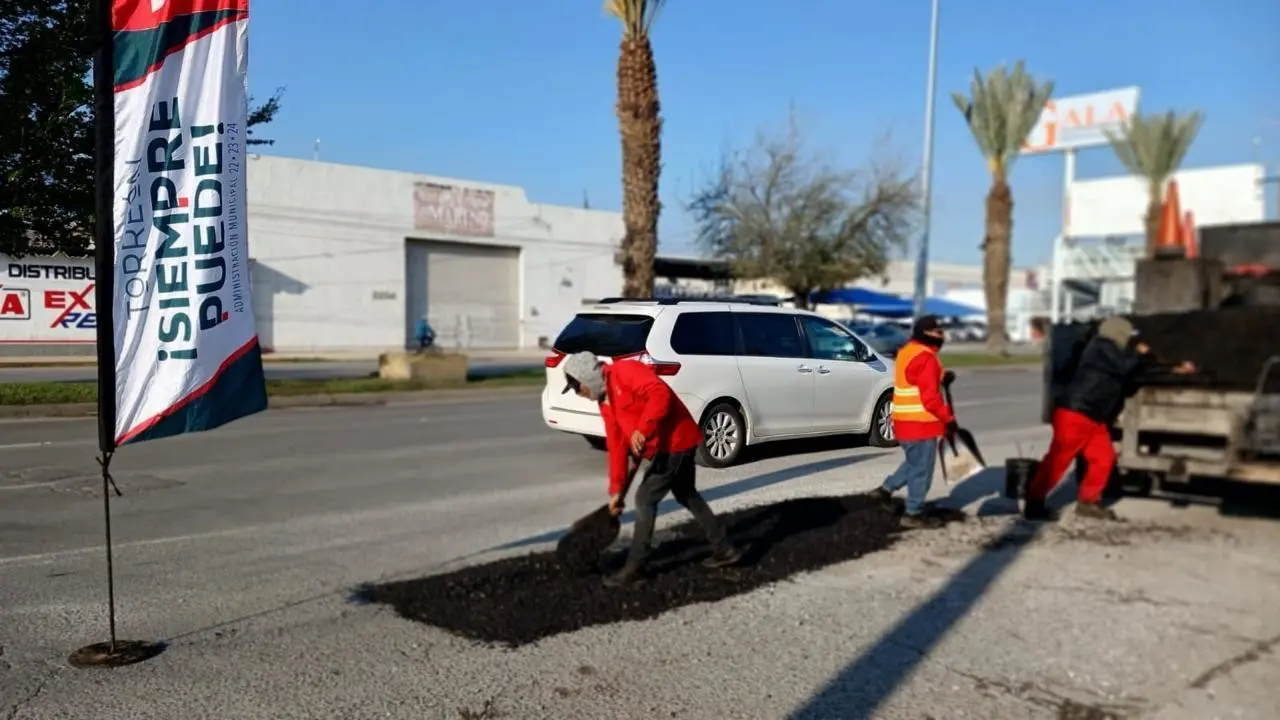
[920,418]
[1113,363]
[643,418]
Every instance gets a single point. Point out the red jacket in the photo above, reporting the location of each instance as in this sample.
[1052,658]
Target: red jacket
[637,399]
[925,373]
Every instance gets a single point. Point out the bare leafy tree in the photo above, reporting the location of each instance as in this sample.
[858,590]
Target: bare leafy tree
[640,125]
[775,211]
[1153,148]
[1002,109]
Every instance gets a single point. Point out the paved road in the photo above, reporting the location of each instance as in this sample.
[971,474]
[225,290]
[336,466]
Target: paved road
[239,547]
[278,371]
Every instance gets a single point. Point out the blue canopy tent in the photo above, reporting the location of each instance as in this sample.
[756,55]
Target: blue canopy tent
[856,296]
[932,306]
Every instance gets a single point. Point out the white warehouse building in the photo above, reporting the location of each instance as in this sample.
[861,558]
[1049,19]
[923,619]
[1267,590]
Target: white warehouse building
[349,257]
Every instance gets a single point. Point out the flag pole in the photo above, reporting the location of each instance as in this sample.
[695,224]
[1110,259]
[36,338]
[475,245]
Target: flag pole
[114,652]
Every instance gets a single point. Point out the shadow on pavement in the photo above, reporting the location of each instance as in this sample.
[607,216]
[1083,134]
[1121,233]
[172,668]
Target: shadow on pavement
[1232,499]
[786,448]
[719,492]
[866,683]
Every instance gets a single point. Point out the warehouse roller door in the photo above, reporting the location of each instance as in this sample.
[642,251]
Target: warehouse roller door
[469,293]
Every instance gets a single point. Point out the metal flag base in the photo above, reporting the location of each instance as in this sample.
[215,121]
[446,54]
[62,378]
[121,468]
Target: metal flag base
[117,654]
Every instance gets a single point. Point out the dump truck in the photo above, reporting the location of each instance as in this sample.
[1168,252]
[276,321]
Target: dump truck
[1218,306]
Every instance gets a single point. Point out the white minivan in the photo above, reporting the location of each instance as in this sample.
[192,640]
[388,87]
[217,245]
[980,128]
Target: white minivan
[748,372]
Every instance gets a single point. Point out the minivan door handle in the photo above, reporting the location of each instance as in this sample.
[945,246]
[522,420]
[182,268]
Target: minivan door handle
[823,370]
[804,369]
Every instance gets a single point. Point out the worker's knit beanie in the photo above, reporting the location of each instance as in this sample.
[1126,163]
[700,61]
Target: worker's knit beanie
[584,367]
[1117,330]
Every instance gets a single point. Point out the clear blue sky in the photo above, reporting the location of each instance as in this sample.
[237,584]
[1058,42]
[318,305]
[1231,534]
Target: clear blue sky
[521,92]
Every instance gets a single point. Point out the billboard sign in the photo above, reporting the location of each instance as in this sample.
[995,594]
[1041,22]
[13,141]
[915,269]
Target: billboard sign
[46,300]
[1081,121]
[463,212]
[1117,206]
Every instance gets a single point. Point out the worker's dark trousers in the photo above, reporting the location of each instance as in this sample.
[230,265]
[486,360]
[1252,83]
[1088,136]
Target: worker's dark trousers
[674,473]
[1075,434]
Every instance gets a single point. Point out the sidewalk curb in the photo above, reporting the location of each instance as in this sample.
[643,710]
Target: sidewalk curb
[1016,367]
[85,410]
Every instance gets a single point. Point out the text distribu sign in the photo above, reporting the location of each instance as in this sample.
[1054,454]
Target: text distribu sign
[47,300]
[1081,121]
[186,349]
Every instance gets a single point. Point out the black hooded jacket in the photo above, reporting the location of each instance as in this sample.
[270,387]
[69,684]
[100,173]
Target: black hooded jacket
[1106,376]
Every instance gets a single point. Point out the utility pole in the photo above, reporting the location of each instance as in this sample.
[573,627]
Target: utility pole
[926,170]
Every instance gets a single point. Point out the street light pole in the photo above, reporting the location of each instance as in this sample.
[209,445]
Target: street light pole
[926,171]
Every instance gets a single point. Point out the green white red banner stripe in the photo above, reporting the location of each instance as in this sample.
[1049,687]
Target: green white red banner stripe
[186,350]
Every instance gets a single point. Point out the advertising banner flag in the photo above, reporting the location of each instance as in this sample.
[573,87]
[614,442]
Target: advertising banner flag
[185,346]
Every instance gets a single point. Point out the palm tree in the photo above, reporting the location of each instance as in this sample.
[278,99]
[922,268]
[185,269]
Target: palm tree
[641,128]
[1001,110]
[1153,147]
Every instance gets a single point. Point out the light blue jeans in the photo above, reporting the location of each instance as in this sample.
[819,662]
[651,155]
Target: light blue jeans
[915,473]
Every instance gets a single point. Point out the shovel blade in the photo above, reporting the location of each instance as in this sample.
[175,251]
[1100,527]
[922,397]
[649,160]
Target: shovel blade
[961,466]
[966,439]
[580,548]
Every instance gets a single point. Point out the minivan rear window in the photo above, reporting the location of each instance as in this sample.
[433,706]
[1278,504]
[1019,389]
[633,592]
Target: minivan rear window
[605,334]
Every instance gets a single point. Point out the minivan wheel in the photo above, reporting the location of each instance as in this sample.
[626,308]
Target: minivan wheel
[882,423]
[724,435]
[596,442]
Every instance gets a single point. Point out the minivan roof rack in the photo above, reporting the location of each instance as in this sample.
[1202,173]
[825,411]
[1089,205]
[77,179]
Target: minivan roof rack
[739,299]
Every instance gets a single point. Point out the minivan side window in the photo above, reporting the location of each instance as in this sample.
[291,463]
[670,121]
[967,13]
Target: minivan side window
[704,333]
[770,335]
[829,341]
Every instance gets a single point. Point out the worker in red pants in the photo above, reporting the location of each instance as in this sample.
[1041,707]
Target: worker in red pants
[1112,364]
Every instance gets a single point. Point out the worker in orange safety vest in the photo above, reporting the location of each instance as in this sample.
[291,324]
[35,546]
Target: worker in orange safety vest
[920,418]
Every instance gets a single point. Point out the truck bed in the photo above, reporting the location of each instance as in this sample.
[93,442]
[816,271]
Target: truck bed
[1185,432]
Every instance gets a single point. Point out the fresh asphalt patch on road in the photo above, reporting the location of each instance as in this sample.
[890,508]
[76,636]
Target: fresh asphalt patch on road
[518,600]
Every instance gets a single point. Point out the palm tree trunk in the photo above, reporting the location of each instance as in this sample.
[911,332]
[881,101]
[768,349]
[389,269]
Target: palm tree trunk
[640,125]
[1153,225]
[996,259]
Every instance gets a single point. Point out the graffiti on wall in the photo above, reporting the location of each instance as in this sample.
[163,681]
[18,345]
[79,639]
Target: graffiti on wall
[46,300]
[464,212]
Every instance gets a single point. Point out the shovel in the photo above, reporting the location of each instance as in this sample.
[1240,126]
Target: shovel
[580,548]
[965,461]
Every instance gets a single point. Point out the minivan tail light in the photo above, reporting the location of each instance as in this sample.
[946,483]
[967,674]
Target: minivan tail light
[660,367]
[553,360]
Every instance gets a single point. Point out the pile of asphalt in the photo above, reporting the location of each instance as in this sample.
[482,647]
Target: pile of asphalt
[519,600]
[1230,346]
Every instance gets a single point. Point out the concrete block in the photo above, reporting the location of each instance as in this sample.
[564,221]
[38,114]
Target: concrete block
[427,366]
[1177,285]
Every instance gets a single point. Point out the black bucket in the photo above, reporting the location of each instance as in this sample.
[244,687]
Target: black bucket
[1018,473]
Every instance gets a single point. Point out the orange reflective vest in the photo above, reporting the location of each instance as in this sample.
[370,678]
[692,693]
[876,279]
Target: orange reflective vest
[907,406]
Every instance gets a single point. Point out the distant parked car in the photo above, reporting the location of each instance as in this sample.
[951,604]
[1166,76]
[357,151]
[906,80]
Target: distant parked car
[884,338]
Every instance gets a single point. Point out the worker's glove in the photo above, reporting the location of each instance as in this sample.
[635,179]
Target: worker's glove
[952,428]
[948,377]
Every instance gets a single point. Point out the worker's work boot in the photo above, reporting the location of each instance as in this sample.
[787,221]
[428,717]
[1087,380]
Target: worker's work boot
[919,521]
[882,497]
[630,574]
[724,556]
[1095,511]
[1037,511]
